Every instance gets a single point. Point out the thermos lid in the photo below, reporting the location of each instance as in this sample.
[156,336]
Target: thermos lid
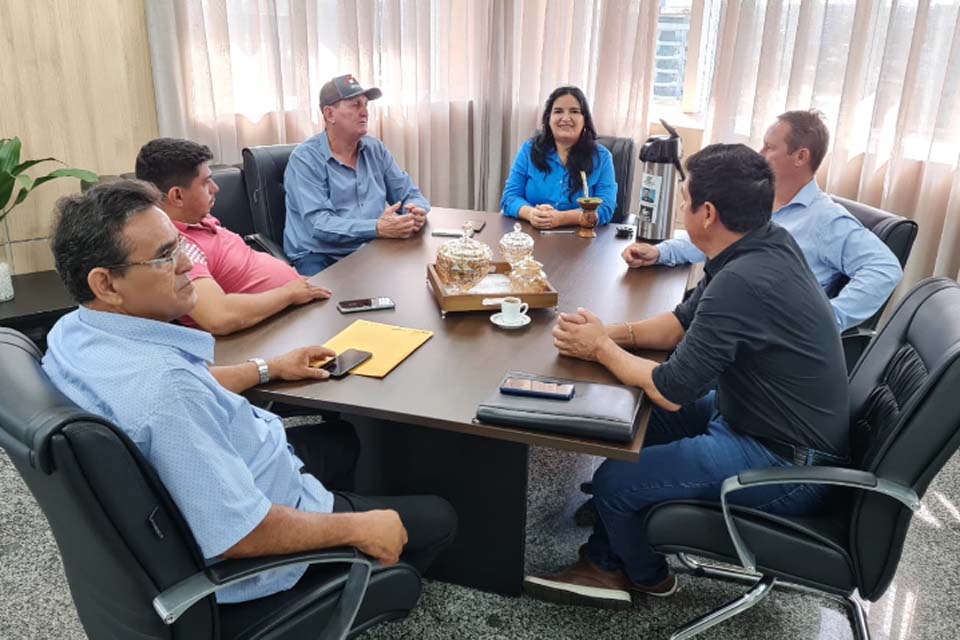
[663,148]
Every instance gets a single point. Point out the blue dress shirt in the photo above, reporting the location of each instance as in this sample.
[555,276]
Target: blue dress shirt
[835,245]
[332,209]
[527,185]
[223,461]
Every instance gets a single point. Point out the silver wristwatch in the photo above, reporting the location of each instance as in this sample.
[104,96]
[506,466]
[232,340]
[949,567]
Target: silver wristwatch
[262,368]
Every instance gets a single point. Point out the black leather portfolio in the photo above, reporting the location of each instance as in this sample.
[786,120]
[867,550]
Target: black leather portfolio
[602,411]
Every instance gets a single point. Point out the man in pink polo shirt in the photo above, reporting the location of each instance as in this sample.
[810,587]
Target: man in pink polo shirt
[236,286]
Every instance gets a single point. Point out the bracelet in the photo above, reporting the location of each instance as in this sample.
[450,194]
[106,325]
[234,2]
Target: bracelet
[262,369]
[633,338]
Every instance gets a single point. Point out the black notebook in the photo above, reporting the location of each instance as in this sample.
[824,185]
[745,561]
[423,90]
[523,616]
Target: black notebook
[601,411]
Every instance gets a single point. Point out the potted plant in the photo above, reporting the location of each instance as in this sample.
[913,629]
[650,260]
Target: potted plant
[15,186]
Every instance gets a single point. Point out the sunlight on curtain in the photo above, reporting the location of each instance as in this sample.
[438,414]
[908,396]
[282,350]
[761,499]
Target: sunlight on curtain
[463,81]
[887,77]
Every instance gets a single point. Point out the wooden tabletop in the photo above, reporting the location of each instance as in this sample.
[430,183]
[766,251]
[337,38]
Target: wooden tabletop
[441,384]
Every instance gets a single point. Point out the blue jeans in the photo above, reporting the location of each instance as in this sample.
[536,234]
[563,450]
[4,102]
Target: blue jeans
[313,263]
[686,456]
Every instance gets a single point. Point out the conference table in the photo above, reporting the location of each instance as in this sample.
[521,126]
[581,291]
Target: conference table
[417,424]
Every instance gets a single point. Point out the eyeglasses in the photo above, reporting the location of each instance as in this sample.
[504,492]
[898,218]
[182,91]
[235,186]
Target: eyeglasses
[168,260]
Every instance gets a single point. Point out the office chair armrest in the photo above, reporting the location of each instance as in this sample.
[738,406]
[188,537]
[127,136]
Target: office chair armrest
[855,341]
[261,242]
[176,600]
[838,476]
[231,571]
[858,333]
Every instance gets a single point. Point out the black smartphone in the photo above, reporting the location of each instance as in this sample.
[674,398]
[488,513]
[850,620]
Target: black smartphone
[365,304]
[343,363]
[537,388]
[478,225]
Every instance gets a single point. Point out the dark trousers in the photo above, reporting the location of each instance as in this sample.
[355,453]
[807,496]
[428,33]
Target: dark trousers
[329,450]
[686,456]
[430,521]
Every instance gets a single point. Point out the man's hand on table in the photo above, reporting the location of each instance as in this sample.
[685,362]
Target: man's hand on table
[296,365]
[301,291]
[641,254]
[419,215]
[580,335]
[382,536]
[393,224]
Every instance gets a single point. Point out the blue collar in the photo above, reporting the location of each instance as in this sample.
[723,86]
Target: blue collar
[323,142]
[194,342]
[805,196]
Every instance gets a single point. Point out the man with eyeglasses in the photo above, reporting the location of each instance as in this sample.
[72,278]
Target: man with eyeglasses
[226,463]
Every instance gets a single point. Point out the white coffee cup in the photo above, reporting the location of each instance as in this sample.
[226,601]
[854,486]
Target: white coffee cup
[512,309]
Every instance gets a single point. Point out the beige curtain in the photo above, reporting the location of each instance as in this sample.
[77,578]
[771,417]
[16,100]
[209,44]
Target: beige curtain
[887,76]
[464,81]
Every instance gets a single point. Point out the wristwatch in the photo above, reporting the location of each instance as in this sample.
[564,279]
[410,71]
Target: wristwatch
[262,368]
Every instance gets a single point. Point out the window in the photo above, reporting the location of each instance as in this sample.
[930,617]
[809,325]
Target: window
[673,30]
[687,33]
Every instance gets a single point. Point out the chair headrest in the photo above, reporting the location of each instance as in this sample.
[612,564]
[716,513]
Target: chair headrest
[277,154]
[32,409]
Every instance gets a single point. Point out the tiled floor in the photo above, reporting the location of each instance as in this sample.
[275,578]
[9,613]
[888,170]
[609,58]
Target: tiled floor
[921,603]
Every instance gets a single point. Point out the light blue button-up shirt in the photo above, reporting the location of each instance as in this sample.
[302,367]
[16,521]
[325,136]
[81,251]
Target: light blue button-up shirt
[332,209]
[527,185]
[835,245]
[223,461]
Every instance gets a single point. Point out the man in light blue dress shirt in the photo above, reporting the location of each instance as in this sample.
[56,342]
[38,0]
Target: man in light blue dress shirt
[343,188]
[834,243]
[226,464]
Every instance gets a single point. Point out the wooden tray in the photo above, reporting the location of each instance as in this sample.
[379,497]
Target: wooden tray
[474,301]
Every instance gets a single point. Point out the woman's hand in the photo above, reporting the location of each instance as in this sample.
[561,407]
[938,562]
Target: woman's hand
[544,216]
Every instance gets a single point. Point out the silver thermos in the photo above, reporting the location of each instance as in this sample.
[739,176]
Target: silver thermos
[660,156]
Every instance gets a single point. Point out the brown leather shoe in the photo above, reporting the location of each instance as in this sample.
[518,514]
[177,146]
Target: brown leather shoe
[666,587]
[582,583]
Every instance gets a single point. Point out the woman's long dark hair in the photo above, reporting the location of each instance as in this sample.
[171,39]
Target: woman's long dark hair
[581,154]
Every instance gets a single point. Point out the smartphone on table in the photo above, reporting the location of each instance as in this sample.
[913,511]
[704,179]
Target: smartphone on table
[535,388]
[365,304]
[341,365]
[478,226]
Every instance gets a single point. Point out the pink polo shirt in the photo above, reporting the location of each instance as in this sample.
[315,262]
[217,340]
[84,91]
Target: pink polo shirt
[221,254]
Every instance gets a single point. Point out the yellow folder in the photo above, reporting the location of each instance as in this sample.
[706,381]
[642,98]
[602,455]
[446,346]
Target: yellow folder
[389,344]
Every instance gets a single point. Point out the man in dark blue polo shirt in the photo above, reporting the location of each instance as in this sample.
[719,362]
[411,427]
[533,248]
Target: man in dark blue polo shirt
[758,329]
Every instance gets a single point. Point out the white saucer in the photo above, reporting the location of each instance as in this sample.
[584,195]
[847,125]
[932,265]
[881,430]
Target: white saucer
[501,322]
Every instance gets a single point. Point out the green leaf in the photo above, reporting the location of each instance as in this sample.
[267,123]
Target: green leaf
[82,174]
[7,181]
[23,166]
[9,154]
[26,184]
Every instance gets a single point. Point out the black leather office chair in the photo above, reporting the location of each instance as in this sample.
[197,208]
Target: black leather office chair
[624,152]
[898,233]
[133,566]
[263,168]
[232,209]
[905,424]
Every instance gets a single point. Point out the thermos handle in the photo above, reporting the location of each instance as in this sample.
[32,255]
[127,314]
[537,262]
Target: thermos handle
[676,163]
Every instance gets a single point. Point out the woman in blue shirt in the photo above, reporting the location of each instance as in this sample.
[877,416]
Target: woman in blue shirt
[545,181]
